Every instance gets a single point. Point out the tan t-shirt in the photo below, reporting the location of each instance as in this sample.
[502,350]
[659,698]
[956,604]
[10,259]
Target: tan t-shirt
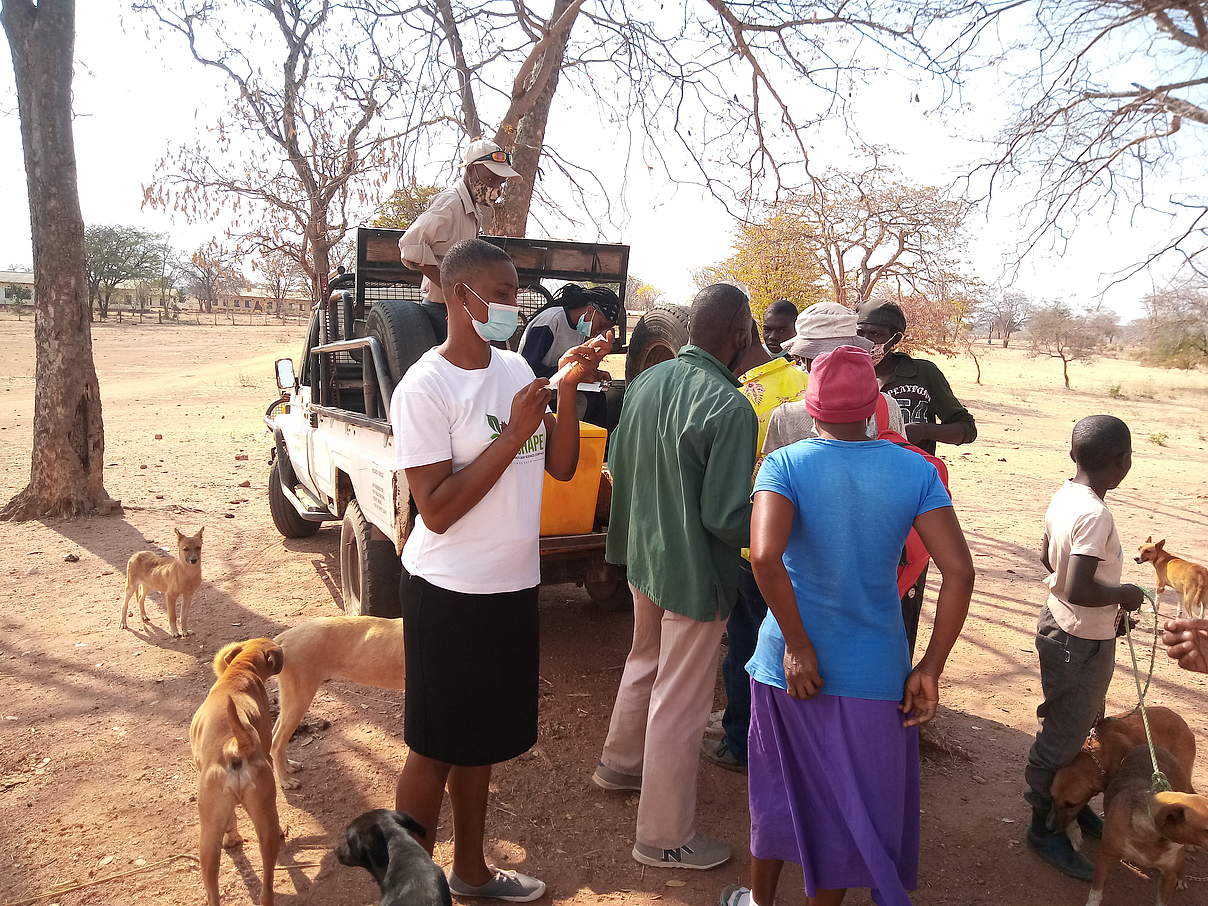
[1078,522]
[451,217]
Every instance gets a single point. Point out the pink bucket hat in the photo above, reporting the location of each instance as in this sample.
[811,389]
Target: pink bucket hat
[843,386]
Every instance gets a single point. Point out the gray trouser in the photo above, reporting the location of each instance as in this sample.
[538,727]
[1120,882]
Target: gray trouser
[1074,676]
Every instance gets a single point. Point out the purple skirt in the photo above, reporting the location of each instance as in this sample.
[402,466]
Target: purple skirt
[834,787]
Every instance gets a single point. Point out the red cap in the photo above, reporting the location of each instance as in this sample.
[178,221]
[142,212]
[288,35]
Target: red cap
[843,386]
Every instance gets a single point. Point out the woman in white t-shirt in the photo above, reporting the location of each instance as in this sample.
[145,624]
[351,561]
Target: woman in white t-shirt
[473,432]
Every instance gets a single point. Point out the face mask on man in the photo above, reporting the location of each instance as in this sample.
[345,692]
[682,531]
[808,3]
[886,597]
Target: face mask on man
[501,321]
[484,194]
[880,350]
[584,326]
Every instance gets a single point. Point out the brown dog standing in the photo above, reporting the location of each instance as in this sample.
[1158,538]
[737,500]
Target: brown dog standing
[1189,579]
[1089,774]
[176,577]
[1146,828]
[230,737]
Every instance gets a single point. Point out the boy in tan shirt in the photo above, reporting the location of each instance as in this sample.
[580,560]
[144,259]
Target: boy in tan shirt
[1077,629]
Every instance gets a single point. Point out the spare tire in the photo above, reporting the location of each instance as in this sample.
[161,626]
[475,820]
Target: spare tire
[404,332]
[657,337]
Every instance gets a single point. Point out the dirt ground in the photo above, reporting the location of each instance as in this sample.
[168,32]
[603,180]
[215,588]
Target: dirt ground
[95,777]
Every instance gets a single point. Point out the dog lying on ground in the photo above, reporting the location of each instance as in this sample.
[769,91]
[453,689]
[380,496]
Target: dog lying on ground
[229,737]
[380,842]
[366,650]
[1189,579]
[1150,829]
[176,577]
[1091,771]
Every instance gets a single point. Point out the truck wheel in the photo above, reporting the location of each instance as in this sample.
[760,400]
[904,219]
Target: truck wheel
[285,517]
[610,592]
[656,338]
[403,330]
[369,568]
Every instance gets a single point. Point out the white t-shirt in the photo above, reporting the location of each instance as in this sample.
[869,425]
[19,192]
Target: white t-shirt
[441,412]
[1078,522]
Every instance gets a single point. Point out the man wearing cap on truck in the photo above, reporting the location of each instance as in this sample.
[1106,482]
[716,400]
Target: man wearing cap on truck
[459,212]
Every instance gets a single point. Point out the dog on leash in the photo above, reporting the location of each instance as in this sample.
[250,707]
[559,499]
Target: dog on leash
[1092,770]
[1189,579]
[381,842]
[1150,829]
[229,737]
[366,650]
[176,577]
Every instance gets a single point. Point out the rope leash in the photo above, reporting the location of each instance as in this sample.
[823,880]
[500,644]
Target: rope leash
[1158,783]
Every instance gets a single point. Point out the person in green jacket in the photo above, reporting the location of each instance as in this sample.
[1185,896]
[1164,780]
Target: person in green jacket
[681,462]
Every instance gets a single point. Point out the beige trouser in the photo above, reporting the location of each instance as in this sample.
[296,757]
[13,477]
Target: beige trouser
[660,715]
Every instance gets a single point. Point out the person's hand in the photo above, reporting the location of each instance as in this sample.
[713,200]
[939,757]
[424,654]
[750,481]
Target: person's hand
[1131,597]
[1186,641]
[528,409]
[917,432]
[603,376]
[921,696]
[801,674]
[583,361]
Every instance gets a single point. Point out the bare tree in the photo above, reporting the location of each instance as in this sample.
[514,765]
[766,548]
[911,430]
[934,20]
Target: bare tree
[213,274]
[283,278]
[639,295]
[1089,137]
[114,255]
[308,134]
[1060,333]
[1176,326]
[66,466]
[1007,312]
[868,229]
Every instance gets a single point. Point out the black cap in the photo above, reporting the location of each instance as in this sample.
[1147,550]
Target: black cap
[882,314]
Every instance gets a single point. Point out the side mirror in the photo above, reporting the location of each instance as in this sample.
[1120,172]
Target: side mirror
[285,374]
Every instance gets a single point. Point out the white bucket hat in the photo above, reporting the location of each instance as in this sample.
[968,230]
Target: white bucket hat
[490,155]
[824,327]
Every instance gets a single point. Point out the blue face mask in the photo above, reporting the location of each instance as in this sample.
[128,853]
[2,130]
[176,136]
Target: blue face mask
[501,321]
[584,326]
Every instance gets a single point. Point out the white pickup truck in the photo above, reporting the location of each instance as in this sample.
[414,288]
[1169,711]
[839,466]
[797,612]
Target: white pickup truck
[332,443]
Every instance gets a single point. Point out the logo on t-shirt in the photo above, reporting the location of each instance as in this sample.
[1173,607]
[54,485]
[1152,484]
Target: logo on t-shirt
[535,444]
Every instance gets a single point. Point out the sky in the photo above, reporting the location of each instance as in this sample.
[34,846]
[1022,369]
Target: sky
[136,95]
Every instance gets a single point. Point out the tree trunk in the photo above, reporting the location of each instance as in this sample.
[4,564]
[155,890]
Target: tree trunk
[69,441]
[1065,372]
[511,217]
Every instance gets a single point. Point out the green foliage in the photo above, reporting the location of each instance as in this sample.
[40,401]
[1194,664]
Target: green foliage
[1159,439]
[1114,392]
[403,206]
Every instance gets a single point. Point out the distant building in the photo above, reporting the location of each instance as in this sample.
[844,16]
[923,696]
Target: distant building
[9,280]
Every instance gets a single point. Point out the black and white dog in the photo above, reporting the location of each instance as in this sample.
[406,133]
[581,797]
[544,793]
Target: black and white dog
[380,842]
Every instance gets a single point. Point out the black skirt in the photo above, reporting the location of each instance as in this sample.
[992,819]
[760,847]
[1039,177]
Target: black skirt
[472,666]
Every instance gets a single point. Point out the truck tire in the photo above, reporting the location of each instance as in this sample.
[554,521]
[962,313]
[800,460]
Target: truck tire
[285,517]
[369,568]
[404,332]
[656,338]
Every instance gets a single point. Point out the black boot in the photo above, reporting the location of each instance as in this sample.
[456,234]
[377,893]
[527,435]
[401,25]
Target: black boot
[1090,822]
[1055,848]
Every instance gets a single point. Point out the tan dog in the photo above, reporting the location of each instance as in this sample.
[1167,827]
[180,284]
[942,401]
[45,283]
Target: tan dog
[1189,579]
[229,737]
[367,650]
[1092,770]
[1150,829]
[176,577]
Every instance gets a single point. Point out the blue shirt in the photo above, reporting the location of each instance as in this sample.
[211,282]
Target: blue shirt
[855,503]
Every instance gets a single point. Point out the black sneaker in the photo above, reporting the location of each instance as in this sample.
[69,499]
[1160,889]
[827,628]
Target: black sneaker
[1056,849]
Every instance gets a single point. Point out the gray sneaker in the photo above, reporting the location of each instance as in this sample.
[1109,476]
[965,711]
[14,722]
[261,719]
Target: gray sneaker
[613,781]
[700,852]
[510,886]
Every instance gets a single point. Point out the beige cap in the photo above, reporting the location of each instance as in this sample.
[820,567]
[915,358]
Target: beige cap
[490,155]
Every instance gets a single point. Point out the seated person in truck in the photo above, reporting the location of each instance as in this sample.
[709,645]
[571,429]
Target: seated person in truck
[581,313]
[460,212]
[473,432]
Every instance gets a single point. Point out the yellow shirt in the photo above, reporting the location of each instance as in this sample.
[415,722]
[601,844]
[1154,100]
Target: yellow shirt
[767,387]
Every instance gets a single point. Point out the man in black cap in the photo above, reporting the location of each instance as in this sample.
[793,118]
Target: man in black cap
[929,407]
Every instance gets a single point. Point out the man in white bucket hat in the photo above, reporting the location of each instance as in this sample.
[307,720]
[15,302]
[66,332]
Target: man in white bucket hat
[459,212]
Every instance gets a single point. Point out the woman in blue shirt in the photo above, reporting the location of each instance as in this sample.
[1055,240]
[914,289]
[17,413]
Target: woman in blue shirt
[834,769]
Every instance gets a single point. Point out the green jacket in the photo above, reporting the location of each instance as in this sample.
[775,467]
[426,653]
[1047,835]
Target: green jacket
[681,462]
